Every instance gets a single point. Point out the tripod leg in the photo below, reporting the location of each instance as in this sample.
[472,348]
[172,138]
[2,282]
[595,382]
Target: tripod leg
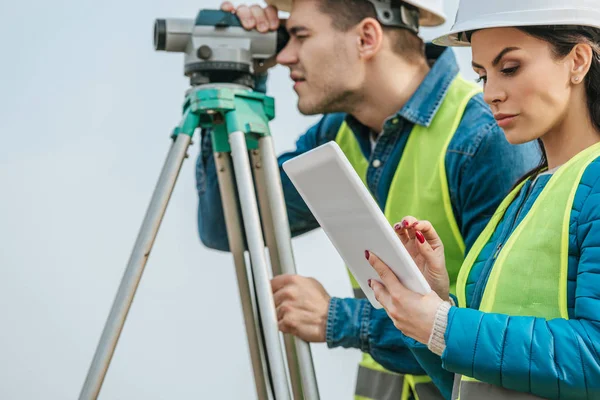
[246,287]
[266,217]
[135,268]
[281,232]
[256,248]
[274,250]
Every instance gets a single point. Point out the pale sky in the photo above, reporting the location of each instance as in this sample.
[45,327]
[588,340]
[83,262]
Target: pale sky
[86,110]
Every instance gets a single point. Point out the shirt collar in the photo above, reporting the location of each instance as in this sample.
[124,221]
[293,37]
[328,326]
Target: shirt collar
[425,102]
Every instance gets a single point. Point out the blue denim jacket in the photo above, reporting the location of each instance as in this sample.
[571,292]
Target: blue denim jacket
[481,168]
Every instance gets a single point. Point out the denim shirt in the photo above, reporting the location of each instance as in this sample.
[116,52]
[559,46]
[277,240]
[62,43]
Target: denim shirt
[481,168]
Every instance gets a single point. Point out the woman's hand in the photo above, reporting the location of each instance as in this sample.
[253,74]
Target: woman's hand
[412,313]
[427,250]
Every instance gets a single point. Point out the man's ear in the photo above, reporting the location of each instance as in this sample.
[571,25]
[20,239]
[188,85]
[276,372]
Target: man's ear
[369,38]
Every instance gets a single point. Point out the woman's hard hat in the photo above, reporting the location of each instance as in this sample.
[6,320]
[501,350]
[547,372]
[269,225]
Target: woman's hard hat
[481,14]
[431,11]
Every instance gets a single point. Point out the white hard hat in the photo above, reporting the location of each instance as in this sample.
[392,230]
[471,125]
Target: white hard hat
[431,11]
[481,14]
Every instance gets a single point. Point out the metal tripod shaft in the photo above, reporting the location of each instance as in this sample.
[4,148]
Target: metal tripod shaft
[270,239]
[256,248]
[135,268]
[281,229]
[277,232]
[229,199]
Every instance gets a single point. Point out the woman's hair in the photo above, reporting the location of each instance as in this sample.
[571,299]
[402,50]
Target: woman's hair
[562,39]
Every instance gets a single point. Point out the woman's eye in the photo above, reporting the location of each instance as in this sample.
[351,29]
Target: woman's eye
[510,71]
[481,79]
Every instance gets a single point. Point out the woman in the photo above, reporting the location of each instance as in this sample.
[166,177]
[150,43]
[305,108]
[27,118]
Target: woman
[528,321]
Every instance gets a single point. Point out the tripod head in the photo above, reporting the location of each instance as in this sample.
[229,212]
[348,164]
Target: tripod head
[217,48]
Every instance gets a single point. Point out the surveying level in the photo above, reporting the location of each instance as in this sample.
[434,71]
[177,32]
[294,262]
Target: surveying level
[221,61]
[217,48]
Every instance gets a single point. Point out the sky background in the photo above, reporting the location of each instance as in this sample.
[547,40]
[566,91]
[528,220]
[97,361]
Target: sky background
[86,110]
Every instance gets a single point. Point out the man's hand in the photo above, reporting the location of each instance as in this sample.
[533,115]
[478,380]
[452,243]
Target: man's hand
[254,16]
[302,306]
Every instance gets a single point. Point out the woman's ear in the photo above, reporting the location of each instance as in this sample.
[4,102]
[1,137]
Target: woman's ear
[581,56]
[369,38]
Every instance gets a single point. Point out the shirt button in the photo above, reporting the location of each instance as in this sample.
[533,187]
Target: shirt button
[376,163]
[395,121]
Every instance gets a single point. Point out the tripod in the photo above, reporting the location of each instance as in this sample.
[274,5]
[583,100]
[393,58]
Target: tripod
[248,173]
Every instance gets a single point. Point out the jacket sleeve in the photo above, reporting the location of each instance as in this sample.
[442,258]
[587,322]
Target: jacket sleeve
[556,358]
[355,323]
[211,221]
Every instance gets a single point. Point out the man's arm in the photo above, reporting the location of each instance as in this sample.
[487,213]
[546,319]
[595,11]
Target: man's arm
[354,323]
[211,221]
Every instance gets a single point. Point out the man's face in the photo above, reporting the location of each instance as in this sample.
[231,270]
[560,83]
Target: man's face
[324,62]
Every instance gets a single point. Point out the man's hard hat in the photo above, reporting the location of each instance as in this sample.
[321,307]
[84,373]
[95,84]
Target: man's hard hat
[481,14]
[431,11]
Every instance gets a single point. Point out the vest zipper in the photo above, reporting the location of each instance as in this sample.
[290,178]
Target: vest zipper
[498,248]
[507,231]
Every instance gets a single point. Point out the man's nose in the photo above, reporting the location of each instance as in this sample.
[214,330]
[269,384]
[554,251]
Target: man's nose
[288,55]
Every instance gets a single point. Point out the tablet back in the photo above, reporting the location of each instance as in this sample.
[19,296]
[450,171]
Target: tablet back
[351,217]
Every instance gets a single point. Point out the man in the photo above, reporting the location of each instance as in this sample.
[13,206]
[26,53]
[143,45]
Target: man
[421,138]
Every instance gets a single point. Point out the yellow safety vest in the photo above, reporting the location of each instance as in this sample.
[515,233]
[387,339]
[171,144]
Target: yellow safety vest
[419,188]
[540,239]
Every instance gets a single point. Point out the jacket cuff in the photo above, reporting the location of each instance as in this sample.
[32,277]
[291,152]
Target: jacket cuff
[437,343]
[461,340]
[348,323]
[453,300]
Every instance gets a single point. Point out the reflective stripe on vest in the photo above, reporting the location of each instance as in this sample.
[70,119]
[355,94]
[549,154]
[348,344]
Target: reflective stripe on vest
[426,390]
[374,385]
[358,293]
[540,239]
[420,186]
[473,389]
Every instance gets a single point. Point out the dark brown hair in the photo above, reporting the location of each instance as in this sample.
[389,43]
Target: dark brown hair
[346,14]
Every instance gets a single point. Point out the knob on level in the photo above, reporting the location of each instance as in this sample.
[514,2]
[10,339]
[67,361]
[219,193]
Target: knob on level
[204,52]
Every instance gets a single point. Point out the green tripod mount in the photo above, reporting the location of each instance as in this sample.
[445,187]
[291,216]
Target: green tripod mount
[249,180]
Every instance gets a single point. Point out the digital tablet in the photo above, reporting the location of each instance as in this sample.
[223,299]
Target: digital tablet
[351,218]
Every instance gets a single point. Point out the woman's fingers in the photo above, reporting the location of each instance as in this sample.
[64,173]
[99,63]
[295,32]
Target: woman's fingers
[429,232]
[402,234]
[409,226]
[391,282]
[382,295]
[427,252]
[401,227]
